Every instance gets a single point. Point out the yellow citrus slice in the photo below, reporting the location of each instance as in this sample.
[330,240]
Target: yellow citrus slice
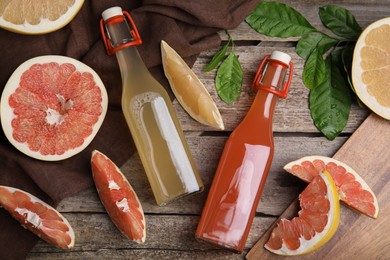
[316,223]
[352,189]
[37,16]
[38,217]
[371,67]
[189,90]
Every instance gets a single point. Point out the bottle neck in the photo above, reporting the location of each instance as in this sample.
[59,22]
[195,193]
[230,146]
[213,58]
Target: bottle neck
[128,58]
[263,107]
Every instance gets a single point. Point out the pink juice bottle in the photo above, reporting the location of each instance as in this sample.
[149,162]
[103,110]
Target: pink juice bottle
[246,159]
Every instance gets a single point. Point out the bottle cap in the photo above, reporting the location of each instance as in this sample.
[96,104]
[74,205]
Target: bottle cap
[281,56]
[111,12]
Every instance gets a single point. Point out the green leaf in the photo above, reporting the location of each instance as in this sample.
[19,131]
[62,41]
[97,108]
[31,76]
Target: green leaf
[278,20]
[229,79]
[330,103]
[217,58]
[340,21]
[315,40]
[314,71]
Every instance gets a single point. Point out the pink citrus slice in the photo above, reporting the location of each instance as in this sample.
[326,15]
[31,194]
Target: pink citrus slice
[38,217]
[316,223]
[118,197]
[52,107]
[352,189]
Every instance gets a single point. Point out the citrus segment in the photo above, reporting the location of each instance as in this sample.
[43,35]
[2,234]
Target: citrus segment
[52,107]
[352,189]
[189,90]
[118,198]
[371,67]
[37,16]
[38,217]
[316,223]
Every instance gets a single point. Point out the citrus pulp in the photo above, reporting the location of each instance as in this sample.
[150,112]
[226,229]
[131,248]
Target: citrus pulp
[371,67]
[37,16]
[352,189]
[52,107]
[38,217]
[316,223]
[118,197]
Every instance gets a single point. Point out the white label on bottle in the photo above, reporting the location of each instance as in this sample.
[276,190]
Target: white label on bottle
[175,145]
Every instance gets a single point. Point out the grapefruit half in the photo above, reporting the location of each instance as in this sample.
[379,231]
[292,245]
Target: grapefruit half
[371,67]
[316,223]
[38,217]
[52,107]
[352,189]
[118,197]
[37,16]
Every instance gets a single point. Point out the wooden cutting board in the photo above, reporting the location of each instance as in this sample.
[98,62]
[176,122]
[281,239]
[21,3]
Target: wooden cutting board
[367,151]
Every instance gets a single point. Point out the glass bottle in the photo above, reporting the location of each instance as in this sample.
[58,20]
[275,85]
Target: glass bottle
[150,116]
[243,168]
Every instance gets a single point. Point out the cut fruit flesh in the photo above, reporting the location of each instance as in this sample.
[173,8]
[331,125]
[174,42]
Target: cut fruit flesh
[118,198]
[352,189]
[37,16]
[371,67]
[52,107]
[317,222]
[189,90]
[38,217]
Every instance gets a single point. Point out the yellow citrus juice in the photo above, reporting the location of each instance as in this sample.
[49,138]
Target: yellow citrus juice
[154,126]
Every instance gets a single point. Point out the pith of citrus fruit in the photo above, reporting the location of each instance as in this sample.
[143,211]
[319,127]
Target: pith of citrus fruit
[189,90]
[52,107]
[316,223]
[118,197]
[38,217]
[37,16]
[371,67]
[352,189]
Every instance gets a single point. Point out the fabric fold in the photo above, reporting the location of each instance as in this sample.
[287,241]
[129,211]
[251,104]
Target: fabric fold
[190,27]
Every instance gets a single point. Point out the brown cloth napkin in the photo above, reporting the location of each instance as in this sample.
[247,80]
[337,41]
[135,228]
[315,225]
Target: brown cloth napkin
[188,26]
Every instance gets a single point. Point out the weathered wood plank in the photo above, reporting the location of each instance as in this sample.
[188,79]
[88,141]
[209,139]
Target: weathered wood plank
[279,191]
[139,254]
[175,232]
[291,114]
[365,13]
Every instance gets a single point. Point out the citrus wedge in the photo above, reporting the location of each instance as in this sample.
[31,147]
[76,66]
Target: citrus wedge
[52,107]
[37,16]
[352,189]
[38,217]
[118,197]
[371,67]
[316,223]
[189,90]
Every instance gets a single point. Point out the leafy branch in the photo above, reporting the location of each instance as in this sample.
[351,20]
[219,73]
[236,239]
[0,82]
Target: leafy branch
[229,77]
[327,59]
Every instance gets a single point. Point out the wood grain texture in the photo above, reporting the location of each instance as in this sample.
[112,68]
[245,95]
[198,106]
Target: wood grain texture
[170,229]
[367,152]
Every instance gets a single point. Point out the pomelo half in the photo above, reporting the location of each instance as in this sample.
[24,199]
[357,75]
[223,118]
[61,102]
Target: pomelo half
[316,223]
[118,197]
[52,107]
[371,67]
[352,189]
[37,16]
[38,217]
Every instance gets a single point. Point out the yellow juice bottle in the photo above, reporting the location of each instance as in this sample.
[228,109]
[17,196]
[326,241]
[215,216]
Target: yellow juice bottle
[150,116]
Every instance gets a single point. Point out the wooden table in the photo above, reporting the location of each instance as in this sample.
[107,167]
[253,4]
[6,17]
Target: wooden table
[170,229]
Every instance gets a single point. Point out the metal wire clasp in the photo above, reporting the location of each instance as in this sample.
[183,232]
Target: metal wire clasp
[117,19]
[259,74]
